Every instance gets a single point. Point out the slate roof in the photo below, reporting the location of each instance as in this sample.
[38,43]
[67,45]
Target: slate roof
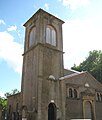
[81,78]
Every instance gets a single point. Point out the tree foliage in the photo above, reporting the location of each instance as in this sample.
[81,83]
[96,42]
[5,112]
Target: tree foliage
[13,92]
[3,100]
[3,103]
[92,64]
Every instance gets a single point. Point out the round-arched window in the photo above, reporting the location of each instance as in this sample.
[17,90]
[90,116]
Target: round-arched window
[101,97]
[75,93]
[50,35]
[70,93]
[98,97]
[32,36]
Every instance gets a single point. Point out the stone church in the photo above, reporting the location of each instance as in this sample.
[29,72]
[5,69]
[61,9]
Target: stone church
[48,91]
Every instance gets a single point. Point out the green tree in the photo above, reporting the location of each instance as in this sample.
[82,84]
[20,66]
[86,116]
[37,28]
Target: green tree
[92,64]
[3,103]
[13,92]
[3,100]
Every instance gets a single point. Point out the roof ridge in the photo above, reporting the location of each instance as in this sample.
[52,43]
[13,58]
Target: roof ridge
[72,75]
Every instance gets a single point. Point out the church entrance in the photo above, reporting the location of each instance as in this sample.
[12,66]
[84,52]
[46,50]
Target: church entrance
[51,111]
[88,110]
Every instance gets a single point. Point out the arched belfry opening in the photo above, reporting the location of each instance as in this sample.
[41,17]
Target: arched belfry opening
[50,35]
[51,111]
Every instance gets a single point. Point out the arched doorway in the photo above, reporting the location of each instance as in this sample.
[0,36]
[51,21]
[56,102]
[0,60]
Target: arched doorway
[88,110]
[51,111]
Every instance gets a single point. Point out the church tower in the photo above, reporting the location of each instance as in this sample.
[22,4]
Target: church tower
[42,67]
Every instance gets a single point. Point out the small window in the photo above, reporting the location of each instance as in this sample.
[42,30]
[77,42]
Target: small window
[101,97]
[32,36]
[98,97]
[50,35]
[70,93]
[75,93]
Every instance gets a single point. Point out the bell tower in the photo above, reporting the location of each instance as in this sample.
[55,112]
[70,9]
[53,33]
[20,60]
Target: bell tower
[42,65]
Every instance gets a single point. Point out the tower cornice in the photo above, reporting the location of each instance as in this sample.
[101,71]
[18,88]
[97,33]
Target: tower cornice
[43,45]
[42,12]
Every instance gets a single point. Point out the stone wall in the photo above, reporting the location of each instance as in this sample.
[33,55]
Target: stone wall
[98,110]
[73,109]
[14,106]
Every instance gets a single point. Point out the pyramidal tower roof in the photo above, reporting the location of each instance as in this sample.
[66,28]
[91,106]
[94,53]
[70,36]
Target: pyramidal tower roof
[43,12]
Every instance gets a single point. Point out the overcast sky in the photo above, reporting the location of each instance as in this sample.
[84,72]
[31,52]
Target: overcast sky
[82,32]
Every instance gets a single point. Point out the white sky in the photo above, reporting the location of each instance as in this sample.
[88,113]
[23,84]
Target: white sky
[81,36]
